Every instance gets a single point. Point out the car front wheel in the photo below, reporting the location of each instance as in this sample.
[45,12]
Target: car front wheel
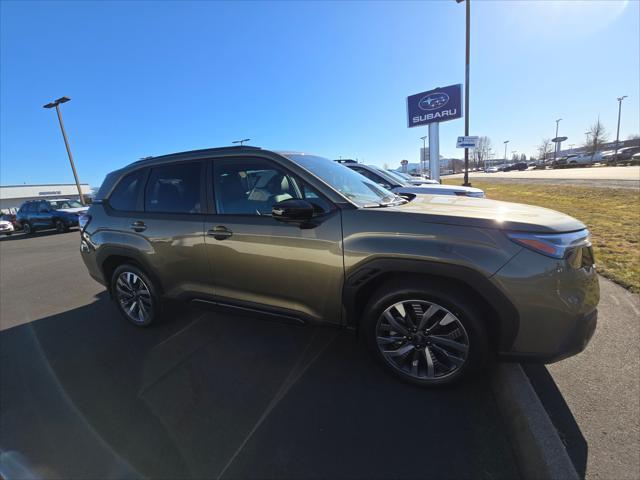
[425,335]
[27,229]
[135,295]
[60,226]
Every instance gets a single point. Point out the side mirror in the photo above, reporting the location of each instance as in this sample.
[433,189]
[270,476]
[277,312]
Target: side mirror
[292,210]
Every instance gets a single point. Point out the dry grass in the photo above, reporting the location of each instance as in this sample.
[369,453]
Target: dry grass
[611,214]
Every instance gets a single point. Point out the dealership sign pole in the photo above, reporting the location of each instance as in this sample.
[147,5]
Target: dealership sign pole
[431,108]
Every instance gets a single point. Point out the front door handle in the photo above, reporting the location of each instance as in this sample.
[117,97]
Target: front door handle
[219,232]
[138,226]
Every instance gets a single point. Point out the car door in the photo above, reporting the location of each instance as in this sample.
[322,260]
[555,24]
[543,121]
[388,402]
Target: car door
[159,214]
[43,215]
[261,263]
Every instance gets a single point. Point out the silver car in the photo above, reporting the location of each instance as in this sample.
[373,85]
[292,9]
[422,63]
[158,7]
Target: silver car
[413,180]
[399,186]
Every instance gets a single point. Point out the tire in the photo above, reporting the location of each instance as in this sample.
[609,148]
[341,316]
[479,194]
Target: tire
[135,295]
[27,229]
[60,226]
[462,345]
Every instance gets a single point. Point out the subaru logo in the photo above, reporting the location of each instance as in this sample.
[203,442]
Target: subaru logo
[433,101]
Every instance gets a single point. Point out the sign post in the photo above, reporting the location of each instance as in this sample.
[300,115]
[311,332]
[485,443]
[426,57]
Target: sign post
[431,108]
[467,142]
[434,151]
[558,145]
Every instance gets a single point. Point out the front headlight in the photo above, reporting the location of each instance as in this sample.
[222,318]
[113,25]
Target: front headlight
[555,245]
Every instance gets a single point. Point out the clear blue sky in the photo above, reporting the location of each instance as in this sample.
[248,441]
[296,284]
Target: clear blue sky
[148,78]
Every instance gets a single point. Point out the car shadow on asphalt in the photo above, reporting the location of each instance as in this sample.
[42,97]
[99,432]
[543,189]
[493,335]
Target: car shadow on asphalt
[560,415]
[202,394]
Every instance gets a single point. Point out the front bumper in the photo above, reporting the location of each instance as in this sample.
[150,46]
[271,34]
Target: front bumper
[574,342]
[556,301]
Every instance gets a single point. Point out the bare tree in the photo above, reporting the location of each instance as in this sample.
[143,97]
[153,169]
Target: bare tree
[544,149]
[481,151]
[523,157]
[597,136]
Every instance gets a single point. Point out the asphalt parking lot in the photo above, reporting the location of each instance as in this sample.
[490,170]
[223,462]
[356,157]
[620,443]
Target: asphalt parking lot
[86,395]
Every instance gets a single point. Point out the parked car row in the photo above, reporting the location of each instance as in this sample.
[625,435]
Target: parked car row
[61,214]
[402,186]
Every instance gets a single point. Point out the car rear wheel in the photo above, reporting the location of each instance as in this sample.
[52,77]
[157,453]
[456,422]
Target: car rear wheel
[135,295]
[425,335]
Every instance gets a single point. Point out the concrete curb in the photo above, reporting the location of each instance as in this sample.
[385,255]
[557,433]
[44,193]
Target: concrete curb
[540,454]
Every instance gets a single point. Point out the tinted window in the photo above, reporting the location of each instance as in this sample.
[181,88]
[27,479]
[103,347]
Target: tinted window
[253,186]
[372,176]
[125,195]
[174,189]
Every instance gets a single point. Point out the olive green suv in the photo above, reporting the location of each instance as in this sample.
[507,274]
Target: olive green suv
[435,285]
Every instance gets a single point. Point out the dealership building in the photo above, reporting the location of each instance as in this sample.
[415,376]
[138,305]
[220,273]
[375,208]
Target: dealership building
[12,196]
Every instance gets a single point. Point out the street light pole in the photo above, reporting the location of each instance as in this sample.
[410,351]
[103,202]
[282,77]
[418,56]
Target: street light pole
[555,149]
[505,151]
[56,104]
[618,131]
[466,88]
[466,94]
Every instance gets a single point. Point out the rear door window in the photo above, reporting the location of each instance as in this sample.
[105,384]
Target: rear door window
[125,195]
[174,189]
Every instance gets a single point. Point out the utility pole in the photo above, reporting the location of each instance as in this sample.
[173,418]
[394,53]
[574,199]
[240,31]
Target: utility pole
[56,104]
[618,131]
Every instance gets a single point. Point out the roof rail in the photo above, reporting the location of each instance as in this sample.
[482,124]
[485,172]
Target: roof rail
[346,160]
[203,151]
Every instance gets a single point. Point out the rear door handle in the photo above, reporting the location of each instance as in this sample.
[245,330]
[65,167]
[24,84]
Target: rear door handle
[138,226]
[219,232]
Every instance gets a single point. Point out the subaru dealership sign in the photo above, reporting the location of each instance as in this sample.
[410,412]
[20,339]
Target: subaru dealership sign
[437,105]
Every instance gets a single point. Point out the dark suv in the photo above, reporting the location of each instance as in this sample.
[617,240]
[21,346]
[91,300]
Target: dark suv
[435,285]
[61,214]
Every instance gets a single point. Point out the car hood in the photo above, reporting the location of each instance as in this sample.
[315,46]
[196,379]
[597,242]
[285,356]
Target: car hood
[73,210]
[435,188]
[485,213]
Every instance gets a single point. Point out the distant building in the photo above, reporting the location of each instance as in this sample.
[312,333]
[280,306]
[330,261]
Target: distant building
[12,196]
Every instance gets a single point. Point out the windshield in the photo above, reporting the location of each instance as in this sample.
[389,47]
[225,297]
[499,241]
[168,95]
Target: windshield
[62,204]
[357,188]
[402,178]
